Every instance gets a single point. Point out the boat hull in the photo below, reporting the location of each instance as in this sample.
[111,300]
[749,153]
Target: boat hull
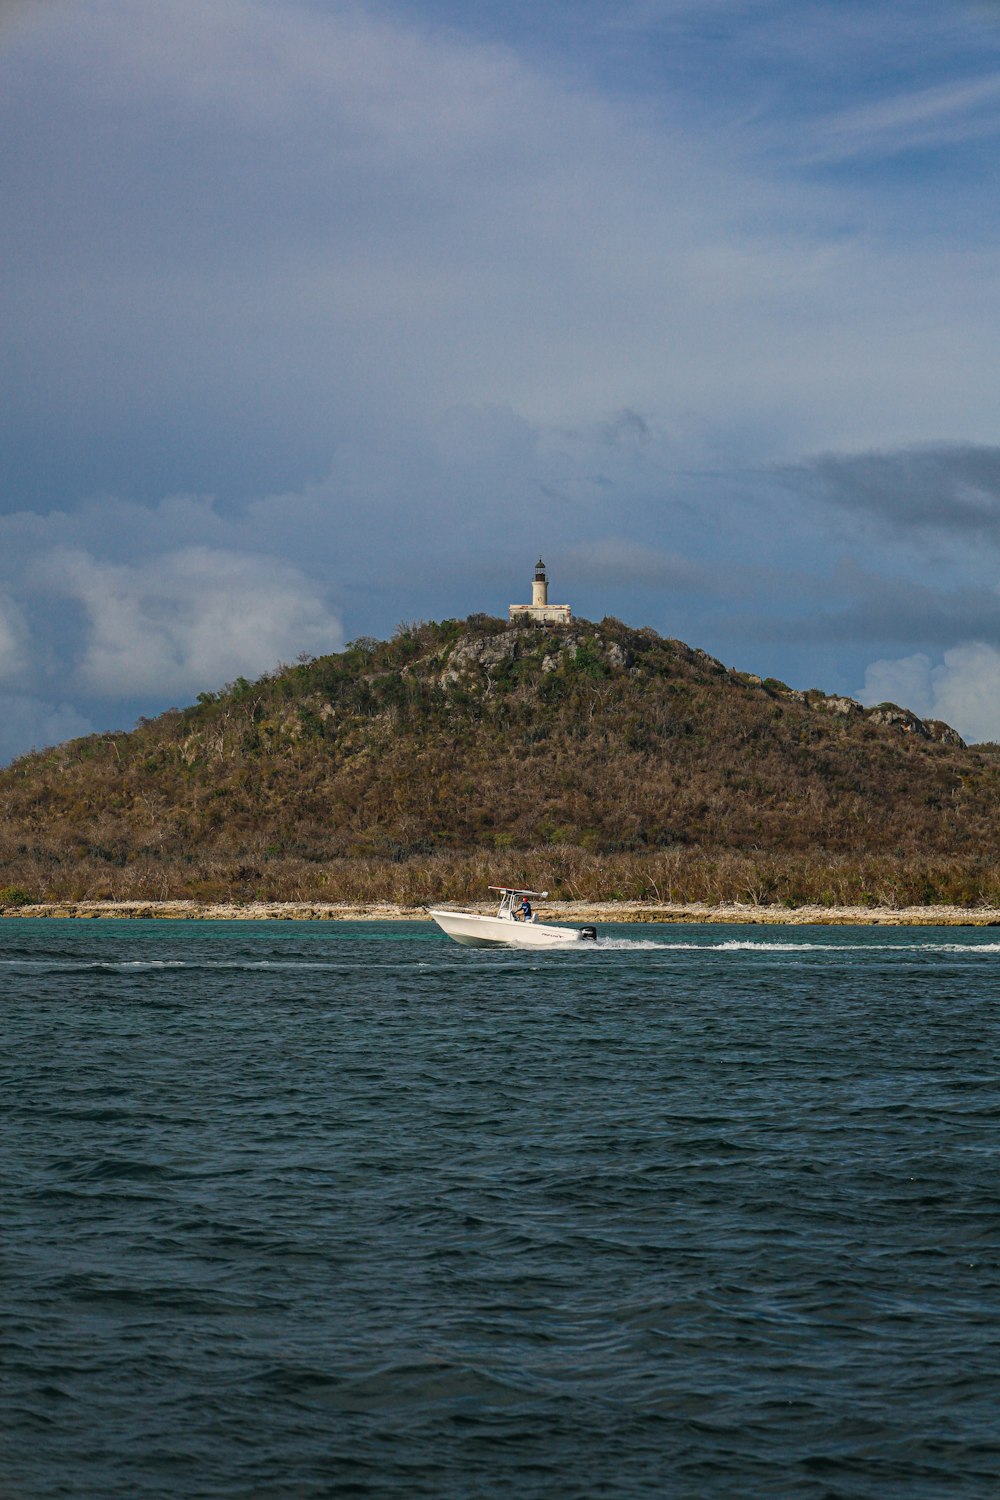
[475,931]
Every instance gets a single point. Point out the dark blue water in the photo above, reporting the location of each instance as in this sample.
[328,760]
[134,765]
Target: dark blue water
[302,1210]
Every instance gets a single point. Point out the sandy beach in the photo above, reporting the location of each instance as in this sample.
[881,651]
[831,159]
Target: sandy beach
[556,911]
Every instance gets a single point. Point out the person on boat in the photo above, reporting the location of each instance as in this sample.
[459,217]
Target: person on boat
[525,909]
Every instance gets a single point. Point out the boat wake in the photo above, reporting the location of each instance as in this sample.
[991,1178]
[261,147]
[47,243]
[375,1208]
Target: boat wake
[748,945]
[636,945]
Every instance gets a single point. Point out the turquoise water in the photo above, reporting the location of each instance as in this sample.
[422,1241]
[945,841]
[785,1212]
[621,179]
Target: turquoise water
[304,1210]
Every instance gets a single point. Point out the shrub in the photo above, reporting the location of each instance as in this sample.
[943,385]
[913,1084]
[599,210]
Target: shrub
[15,895]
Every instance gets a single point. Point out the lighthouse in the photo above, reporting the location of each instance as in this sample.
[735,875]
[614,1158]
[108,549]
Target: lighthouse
[540,610]
[539,587]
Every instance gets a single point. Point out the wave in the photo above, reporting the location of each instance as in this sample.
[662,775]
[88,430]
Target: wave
[153,965]
[346,964]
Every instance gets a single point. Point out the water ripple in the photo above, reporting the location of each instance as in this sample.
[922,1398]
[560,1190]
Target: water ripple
[352,1211]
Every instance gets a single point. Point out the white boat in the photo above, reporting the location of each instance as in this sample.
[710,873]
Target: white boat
[508,928]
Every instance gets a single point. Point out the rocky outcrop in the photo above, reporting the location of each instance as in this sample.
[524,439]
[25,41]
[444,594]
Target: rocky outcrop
[483,655]
[695,657]
[943,733]
[892,716]
[480,654]
[846,707]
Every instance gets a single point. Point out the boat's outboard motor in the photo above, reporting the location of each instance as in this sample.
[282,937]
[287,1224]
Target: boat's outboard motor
[588,934]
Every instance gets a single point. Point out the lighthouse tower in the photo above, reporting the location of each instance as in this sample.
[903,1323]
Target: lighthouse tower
[540,610]
[539,587]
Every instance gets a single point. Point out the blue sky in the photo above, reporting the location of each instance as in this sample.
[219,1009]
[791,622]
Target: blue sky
[320,317]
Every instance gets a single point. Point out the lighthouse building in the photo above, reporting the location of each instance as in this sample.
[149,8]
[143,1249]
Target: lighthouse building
[540,610]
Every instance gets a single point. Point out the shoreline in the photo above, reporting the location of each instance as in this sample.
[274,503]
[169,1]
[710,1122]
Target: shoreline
[554,911]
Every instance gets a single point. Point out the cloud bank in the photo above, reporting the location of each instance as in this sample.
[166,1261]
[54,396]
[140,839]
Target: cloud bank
[963,689]
[189,617]
[327,315]
[942,488]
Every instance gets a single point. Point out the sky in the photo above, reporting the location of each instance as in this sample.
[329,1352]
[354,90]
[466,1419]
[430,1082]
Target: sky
[319,318]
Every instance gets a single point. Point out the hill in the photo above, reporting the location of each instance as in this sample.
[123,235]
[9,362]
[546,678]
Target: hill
[598,760]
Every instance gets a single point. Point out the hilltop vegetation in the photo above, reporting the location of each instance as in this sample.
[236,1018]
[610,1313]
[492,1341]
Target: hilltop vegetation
[597,760]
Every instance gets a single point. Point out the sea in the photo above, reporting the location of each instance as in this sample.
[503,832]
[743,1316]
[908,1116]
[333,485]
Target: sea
[295,1209]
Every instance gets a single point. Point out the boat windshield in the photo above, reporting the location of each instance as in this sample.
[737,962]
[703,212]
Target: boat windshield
[512,902]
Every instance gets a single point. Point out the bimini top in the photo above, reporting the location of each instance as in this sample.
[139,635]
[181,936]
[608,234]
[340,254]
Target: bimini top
[512,890]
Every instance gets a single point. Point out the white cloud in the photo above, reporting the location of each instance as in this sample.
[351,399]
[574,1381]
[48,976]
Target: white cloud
[14,642]
[963,689]
[27,723]
[381,217]
[189,620]
[929,117]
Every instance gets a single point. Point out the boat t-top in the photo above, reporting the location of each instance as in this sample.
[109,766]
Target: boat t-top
[514,926]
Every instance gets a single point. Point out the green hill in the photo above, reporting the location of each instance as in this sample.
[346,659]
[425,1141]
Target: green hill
[598,760]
